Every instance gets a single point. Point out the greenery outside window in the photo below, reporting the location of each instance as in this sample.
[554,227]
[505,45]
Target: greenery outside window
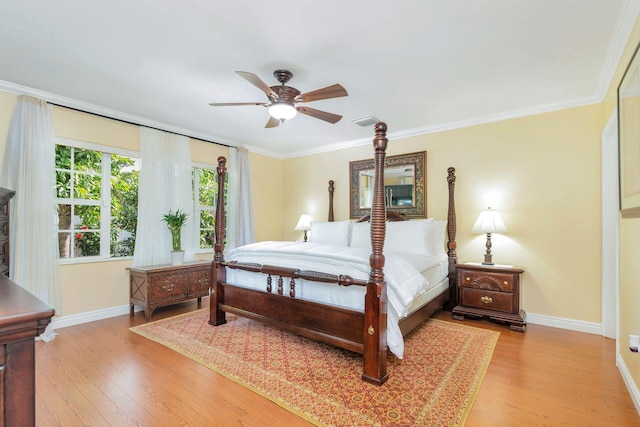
[205,189]
[97,198]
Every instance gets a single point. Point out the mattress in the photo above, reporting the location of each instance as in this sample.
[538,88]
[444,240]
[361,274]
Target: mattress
[409,278]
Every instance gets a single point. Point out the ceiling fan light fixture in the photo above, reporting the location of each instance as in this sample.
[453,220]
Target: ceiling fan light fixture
[282,110]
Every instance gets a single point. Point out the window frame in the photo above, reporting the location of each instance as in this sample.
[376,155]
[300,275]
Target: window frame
[104,202]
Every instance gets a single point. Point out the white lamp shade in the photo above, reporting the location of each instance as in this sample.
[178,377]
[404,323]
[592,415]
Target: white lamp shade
[282,111]
[489,221]
[304,223]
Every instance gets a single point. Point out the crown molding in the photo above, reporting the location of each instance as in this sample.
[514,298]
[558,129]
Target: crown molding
[475,121]
[622,28]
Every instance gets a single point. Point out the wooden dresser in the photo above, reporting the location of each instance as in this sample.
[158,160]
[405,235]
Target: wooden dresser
[22,318]
[159,285]
[492,291]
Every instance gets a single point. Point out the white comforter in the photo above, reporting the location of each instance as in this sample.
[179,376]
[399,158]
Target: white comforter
[404,279]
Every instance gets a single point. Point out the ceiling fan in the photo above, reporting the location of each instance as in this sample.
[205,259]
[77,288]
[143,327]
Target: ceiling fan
[283,99]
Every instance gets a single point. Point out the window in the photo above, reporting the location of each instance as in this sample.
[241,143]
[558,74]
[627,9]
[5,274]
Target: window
[205,189]
[97,198]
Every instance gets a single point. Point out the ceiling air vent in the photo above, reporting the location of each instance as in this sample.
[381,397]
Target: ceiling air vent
[365,121]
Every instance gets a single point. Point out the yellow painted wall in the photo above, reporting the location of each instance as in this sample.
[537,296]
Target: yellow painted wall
[269,200]
[544,172]
[7,102]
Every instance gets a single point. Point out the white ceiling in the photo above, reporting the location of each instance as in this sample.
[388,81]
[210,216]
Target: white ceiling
[420,65]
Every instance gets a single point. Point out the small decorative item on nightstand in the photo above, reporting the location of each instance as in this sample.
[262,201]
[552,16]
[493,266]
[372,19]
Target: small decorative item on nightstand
[304,223]
[492,291]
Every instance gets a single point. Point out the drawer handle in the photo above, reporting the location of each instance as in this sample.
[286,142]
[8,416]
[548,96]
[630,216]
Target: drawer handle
[468,279]
[506,283]
[487,300]
[168,288]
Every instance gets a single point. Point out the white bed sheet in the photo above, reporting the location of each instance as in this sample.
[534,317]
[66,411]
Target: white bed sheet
[408,277]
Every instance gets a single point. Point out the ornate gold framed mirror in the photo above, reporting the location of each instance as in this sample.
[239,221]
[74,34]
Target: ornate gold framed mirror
[404,183]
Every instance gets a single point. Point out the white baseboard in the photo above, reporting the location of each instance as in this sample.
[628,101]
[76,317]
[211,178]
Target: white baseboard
[535,319]
[563,323]
[632,387]
[90,316]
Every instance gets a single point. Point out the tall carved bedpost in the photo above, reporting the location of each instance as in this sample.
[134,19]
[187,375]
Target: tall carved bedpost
[375,310]
[331,190]
[451,241]
[218,273]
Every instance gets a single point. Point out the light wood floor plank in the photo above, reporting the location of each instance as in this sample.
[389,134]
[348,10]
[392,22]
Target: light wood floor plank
[101,374]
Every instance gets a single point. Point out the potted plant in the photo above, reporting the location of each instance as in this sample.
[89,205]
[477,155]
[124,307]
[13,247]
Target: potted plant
[175,221]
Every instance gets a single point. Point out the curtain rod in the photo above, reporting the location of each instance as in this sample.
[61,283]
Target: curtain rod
[138,124]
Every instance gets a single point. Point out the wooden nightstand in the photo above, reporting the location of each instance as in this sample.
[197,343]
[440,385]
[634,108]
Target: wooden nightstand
[492,291]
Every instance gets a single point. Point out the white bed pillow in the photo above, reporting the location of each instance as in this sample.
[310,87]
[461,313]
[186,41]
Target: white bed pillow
[410,236]
[333,233]
[361,235]
[422,236]
[437,233]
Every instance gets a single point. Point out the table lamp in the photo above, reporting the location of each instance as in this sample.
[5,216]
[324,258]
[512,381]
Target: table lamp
[489,222]
[304,223]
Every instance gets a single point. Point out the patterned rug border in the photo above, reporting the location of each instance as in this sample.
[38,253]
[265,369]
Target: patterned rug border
[475,388]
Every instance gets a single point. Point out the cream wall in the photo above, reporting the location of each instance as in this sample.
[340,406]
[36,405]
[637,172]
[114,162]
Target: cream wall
[541,172]
[267,182]
[7,102]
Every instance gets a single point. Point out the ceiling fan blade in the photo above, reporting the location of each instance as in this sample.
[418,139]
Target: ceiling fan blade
[273,123]
[335,91]
[322,115]
[255,80]
[232,104]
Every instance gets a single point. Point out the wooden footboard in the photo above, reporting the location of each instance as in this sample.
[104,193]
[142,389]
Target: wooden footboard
[365,331]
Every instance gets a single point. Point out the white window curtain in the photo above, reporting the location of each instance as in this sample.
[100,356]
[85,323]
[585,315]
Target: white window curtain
[164,184]
[240,229]
[28,169]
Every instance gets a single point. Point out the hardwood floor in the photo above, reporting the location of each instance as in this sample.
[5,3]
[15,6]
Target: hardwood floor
[101,374]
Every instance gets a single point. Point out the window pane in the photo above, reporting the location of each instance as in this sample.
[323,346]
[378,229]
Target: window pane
[87,160]
[64,245]
[206,238]
[86,217]
[63,184]
[207,222]
[124,205]
[64,217]
[207,187]
[63,157]
[207,196]
[87,187]
[86,244]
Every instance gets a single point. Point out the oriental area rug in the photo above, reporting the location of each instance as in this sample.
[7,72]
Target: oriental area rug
[435,383]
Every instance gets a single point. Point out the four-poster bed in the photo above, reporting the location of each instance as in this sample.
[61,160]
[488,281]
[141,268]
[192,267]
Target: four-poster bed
[361,328]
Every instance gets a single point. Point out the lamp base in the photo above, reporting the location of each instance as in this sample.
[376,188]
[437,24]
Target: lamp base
[487,255]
